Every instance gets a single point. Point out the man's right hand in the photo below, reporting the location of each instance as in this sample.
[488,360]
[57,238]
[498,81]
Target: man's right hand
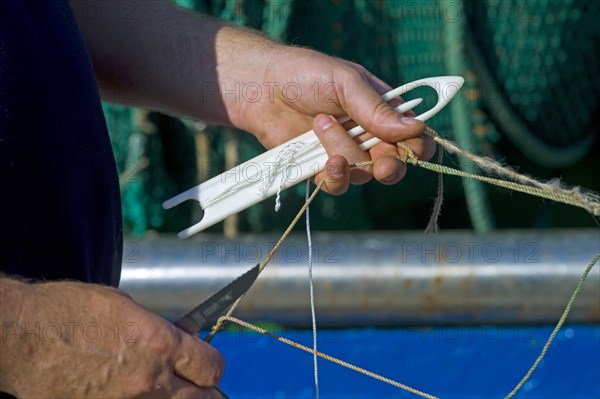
[68,339]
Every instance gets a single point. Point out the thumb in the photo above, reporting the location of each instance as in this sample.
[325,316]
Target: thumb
[364,105]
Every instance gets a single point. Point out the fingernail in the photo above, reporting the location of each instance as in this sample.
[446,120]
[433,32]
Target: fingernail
[408,120]
[335,170]
[325,122]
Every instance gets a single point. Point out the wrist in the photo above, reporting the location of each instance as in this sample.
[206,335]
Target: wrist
[244,61]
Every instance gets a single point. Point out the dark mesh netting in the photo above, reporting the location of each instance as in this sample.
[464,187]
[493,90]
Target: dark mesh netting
[530,99]
[543,60]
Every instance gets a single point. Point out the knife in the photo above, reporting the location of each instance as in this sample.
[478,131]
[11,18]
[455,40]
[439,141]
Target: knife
[210,310]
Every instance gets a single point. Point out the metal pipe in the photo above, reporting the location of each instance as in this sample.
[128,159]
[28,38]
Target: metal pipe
[376,278]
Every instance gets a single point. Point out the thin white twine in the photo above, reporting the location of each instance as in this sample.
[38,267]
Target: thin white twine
[312,292]
[266,173]
[574,196]
[282,161]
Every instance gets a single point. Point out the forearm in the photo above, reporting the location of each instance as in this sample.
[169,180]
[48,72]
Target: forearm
[155,55]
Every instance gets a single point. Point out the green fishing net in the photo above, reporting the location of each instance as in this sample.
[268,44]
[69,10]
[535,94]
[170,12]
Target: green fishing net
[531,97]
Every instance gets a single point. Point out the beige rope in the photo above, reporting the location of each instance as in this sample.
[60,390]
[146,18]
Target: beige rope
[432,226]
[407,388]
[559,325]
[219,325]
[557,196]
[327,357]
[551,190]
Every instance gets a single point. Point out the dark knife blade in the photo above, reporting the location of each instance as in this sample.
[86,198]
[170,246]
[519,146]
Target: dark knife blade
[209,310]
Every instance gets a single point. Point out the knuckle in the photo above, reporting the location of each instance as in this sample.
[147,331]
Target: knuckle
[382,113]
[347,78]
[165,341]
[209,362]
[358,68]
[143,384]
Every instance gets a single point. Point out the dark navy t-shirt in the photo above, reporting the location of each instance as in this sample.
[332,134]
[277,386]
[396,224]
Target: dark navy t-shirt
[60,215]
